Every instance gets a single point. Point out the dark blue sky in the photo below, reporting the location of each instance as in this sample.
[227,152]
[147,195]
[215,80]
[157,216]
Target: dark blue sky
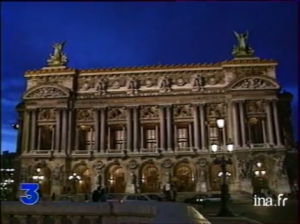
[133,34]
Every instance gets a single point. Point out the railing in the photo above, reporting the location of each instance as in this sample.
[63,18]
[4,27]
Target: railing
[92,213]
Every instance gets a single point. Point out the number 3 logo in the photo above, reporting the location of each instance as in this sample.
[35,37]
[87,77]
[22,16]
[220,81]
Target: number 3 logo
[31,196]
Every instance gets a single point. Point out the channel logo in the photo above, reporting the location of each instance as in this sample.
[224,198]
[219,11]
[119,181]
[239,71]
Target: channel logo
[31,195]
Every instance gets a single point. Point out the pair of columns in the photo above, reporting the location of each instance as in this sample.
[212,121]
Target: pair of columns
[32,132]
[239,121]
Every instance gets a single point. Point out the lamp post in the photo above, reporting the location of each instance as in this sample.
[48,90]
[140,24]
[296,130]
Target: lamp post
[223,162]
[74,178]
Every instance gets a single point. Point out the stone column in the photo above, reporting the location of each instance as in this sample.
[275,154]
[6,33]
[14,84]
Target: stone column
[77,137]
[108,138]
[235,125]
[242,121]
[39,137]
[202,126]
[196,127]
[169,128]
[229,120]
[96,127]
[26,132]
[71,124]
[190,133]
[129,128]
[64,130]
[103,130]
[58,130]
[269,123]
[278,139]
[33,130]
[263,124]
[91,138]
[124,137]
[53,137]
[142,138]
[162,128]
[136,136]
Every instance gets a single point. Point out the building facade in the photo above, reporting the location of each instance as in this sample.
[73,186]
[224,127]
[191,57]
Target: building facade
[134,129]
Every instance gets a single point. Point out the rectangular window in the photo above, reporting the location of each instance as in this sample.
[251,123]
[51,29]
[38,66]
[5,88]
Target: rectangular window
[118,139]
[182,137]
[150,138]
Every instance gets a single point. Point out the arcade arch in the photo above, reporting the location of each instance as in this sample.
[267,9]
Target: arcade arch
[184,177]
[42,175]
[81,182]
[115,179]
[149,181]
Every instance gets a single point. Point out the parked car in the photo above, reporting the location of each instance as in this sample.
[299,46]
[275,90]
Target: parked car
[136,197]
[204,199]
[155,197]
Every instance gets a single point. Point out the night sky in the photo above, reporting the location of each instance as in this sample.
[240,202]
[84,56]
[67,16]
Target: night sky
[134,34]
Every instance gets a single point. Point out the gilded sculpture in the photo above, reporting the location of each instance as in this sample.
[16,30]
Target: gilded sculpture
[57,58]
[242,49]
[198,82]
[164,84]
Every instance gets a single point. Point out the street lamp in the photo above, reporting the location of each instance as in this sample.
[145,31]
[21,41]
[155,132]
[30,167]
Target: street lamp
[223,162]
[38,177]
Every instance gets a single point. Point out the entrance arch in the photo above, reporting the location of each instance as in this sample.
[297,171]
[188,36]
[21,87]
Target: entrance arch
[43,172]
[215,179]
[149,178]
[115,179]
[82,184]
[184,178]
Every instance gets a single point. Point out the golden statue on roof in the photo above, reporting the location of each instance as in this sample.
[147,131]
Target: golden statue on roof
[57,58]
[242,49]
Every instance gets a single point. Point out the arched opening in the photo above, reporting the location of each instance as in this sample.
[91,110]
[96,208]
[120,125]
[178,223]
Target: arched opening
[216,176]
[115,180]
[149,178]
[42,175]
[260,176]
[80,179]
[184,178]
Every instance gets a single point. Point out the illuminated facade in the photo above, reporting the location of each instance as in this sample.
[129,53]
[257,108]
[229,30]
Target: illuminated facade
[134,129]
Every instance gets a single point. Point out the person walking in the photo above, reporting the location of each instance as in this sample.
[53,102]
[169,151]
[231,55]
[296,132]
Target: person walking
[96,195]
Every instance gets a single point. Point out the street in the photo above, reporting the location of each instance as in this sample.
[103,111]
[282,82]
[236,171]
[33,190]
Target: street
[266,215]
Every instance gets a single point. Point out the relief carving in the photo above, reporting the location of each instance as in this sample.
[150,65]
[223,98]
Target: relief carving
[115,84]
[149,82]
[253,83]
[100,87]
[85,86]
[216,109]
[181,111]
[116,113]
[216,78]
[164,84]
[47,92]
[180,81]
[132,164]
[149,112]
[98,166]
[245,168]
[167,163]
[198,82]
[57,173]
[85,115]
[255,106]
[132,86]
[47,115]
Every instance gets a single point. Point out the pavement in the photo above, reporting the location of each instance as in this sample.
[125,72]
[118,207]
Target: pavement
[265,215]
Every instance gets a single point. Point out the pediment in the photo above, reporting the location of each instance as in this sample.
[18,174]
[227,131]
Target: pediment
[254,83]
[47,92]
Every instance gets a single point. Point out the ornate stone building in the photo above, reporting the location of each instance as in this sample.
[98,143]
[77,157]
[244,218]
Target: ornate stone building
[134,129]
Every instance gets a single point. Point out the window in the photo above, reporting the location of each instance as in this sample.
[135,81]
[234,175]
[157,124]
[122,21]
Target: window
[46,137]
[150,138]
[118,139]
[84,139]
[182,138]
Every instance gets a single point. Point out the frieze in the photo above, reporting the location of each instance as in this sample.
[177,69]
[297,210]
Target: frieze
[255,106]
[249,71]
[47,115]
[116,113]
[46,92]
[216,109]
[149,112]
[84,115]
[254,83]
[182,111]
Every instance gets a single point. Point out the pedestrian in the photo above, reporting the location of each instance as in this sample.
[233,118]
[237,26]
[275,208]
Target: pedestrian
[96,195]
[167,191]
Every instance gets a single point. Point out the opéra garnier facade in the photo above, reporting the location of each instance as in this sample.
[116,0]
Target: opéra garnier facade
[134,129]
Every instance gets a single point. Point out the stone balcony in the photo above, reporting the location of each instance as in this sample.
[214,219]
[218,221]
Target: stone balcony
[106,213]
